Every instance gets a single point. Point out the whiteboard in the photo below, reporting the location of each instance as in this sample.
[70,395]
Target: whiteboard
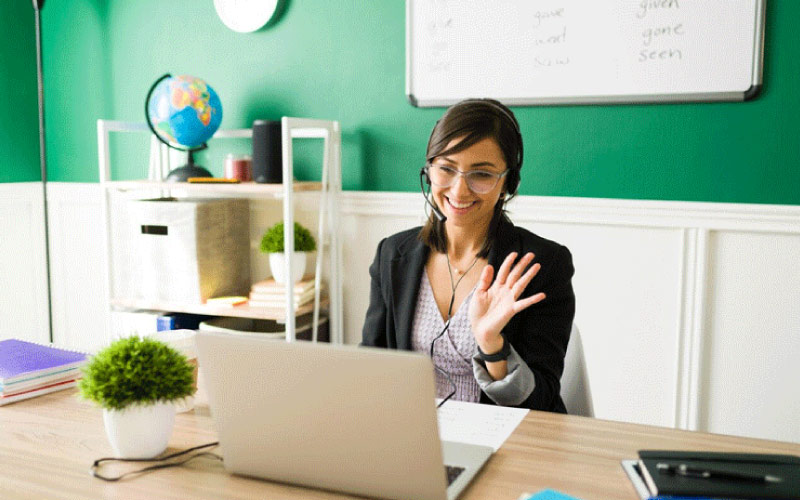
[534,52]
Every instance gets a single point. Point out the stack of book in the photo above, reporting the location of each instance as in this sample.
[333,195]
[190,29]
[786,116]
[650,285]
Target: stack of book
[28,370]
[272,295]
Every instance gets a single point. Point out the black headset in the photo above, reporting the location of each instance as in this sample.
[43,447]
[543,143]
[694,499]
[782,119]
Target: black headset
[509,116]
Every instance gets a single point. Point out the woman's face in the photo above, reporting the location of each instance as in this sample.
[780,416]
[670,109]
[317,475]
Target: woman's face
[463,206]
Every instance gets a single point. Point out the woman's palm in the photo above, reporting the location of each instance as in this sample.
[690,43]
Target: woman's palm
[494,303]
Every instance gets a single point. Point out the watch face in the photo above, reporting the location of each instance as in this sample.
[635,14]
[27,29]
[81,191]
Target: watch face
[245,16]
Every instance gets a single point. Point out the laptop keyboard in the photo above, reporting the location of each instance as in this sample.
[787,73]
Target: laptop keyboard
[452,473]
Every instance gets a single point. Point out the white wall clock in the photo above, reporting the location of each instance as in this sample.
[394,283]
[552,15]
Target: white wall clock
[245,16]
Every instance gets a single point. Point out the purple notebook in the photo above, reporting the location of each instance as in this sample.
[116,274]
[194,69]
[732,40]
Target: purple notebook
[21,360]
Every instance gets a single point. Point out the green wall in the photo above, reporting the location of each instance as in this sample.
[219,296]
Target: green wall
[345,60]
[19,105]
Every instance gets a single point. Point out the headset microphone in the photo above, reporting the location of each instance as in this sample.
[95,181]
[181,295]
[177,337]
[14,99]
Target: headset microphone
[438,213]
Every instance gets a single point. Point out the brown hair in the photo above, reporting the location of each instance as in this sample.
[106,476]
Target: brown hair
[475,120]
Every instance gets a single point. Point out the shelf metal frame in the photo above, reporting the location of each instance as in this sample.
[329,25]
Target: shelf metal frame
[329,189]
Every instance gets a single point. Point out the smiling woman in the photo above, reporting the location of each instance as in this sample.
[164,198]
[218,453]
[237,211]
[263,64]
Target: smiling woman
[471,200]
[498,296]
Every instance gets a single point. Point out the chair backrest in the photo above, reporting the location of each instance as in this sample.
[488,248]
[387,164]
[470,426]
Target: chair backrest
[575,379]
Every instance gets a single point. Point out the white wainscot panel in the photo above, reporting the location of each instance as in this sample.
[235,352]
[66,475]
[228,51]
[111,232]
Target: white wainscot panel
[360,235]
[77,250]
[752,349]
[23,265]
[627,287]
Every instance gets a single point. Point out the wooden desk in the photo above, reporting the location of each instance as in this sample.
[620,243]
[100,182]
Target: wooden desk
[48,443]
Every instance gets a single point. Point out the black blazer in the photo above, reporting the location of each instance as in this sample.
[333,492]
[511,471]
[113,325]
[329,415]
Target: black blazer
[539,334]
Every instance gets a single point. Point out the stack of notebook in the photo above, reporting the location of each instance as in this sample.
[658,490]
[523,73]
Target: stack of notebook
[28,370]
[714,475]
[272,295]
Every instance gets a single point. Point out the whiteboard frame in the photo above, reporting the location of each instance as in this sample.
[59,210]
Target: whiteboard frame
[732,96]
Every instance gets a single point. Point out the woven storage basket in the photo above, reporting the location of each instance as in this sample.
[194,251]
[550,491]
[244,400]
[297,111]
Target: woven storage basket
[189,250]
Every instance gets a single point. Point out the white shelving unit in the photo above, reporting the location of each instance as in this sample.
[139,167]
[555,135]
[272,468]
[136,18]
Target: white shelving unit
[328,189]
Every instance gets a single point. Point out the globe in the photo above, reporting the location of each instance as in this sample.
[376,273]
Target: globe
[183,112]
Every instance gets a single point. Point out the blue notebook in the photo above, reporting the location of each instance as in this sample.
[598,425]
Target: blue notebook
[21,361]
[547,495]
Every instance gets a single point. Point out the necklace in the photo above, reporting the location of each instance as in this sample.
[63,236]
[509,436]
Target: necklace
[458,271]
[454,284]
[461,274]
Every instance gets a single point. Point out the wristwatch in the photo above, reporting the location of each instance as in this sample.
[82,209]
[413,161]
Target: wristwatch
[500,355]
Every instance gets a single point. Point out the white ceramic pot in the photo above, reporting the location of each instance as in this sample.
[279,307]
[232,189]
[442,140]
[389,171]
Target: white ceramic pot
[139,431]
[276,265]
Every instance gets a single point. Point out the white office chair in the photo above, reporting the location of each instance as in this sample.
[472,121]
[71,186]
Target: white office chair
[575,379]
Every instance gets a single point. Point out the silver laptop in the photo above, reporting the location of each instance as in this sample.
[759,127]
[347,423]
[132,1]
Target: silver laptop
[343,418]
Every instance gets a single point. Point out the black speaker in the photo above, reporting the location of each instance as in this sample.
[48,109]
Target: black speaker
[267,155]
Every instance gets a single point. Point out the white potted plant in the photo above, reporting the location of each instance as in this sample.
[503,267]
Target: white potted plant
[138,382]
[272,244]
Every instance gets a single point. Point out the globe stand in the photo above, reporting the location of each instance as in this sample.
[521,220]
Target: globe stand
[182,174]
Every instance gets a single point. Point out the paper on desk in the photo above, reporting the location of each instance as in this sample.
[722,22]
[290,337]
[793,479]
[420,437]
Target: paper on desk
[475,423]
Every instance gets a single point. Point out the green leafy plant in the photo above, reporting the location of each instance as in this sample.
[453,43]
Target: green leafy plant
[136,370]
[272,241]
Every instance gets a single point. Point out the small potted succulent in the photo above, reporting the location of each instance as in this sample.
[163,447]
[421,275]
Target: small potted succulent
[272,244]
[138,382]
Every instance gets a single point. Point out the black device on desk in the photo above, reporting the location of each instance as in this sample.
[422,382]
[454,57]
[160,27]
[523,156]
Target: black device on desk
[720,475]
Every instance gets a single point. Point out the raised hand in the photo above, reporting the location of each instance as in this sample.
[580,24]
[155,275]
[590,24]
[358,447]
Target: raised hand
[494,303]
